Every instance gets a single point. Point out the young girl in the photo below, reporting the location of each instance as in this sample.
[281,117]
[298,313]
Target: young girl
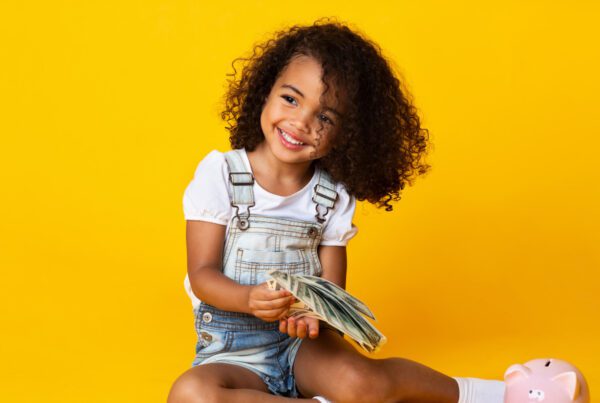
[317,121]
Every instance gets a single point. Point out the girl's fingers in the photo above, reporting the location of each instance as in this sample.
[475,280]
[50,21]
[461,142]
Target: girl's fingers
[279,303]
[267,293]
[301,329]
[284,313]
[270,315]
[291,327]
[282,325]
[313,329]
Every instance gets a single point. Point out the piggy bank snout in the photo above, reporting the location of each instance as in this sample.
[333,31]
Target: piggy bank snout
[537,395]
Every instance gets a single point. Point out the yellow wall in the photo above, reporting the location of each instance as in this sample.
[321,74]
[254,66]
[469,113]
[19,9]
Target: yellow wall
[108,106]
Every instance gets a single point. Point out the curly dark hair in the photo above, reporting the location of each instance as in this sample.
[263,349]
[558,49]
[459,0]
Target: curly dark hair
[381,143]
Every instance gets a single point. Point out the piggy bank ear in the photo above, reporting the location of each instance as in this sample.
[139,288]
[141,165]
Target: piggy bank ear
[515,373]
[568,381]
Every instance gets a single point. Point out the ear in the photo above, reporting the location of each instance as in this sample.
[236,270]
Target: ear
[568,380]
[515,373]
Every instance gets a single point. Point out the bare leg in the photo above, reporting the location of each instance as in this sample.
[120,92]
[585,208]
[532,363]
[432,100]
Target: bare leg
[331,367]
[221,383]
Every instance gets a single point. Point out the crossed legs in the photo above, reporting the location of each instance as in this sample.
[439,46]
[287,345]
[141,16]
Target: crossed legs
[328,366]
[225,383]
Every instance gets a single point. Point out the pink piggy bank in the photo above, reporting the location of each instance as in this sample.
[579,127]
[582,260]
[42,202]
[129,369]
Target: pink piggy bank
[545,380]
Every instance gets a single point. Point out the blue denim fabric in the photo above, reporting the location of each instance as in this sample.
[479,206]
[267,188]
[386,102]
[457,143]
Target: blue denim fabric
[242,339]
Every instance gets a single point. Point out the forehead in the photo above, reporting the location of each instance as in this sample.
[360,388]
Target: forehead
[305,74]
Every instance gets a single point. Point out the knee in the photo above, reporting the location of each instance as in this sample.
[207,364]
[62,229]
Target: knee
[190,389]
[364,380]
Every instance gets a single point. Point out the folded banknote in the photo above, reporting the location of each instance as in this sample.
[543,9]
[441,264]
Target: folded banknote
[324,300]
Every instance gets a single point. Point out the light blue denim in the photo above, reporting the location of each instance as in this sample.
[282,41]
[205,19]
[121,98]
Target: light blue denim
[255,245]
[245,340]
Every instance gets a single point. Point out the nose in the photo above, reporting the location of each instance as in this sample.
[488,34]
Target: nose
[301,122]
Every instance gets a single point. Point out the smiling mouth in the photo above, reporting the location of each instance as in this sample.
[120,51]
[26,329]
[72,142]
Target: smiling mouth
[288,138]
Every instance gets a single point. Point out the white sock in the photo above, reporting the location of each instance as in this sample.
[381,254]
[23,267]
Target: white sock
[321,399]
[474,390]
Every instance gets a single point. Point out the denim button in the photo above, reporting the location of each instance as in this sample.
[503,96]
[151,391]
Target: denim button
[206,317]
[243,224]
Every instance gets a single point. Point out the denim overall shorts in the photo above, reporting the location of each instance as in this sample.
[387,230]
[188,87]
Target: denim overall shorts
[254,245]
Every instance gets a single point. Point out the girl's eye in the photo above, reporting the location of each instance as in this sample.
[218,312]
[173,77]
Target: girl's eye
[288,99]
[325,119]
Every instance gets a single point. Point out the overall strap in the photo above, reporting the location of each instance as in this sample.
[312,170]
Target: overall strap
[242,183]
[324,195]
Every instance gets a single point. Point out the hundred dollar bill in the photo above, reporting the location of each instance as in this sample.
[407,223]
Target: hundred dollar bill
[298,308]
[338,292]
[324,300]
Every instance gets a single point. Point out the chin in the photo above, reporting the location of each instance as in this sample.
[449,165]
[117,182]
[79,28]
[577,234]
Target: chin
[290,159]
[286,155]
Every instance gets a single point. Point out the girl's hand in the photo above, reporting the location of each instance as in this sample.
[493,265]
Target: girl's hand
[301,327]
[269,305]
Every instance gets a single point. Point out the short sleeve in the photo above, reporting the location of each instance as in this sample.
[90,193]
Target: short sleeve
[206,198]
[339,228]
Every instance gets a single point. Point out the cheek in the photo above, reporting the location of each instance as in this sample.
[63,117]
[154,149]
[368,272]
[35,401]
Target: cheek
[328,139]
[325,145]
[265,119]
[268,115]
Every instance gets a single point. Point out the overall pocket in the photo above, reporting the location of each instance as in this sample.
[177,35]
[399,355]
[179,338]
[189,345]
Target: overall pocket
[252,266]
[211,340]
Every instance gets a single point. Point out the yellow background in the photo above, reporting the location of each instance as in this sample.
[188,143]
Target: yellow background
[108,106]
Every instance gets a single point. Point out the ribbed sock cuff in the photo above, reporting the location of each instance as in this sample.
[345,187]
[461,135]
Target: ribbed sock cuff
[474,390]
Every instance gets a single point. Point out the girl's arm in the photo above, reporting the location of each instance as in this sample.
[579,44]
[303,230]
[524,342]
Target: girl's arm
[205,242]
[333,261]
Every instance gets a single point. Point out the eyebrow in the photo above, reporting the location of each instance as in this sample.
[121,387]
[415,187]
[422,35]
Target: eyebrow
[297,91]
[291,87]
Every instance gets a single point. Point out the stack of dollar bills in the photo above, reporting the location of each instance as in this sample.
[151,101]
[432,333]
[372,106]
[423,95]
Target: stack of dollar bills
[324,300]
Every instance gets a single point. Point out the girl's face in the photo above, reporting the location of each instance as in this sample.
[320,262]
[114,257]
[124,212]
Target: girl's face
[293,113]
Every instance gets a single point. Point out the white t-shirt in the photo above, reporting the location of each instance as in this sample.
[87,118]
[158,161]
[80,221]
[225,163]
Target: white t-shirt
[208,196]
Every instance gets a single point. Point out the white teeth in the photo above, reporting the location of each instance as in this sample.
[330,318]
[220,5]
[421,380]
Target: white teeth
[289,139]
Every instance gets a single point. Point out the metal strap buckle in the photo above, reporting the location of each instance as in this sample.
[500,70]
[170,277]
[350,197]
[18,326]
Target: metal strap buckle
[246,180]
[327,194]
[318,215]
[242,179]
[243,220]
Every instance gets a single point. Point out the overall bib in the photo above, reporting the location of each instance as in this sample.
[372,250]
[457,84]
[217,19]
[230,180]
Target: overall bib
[254,245]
